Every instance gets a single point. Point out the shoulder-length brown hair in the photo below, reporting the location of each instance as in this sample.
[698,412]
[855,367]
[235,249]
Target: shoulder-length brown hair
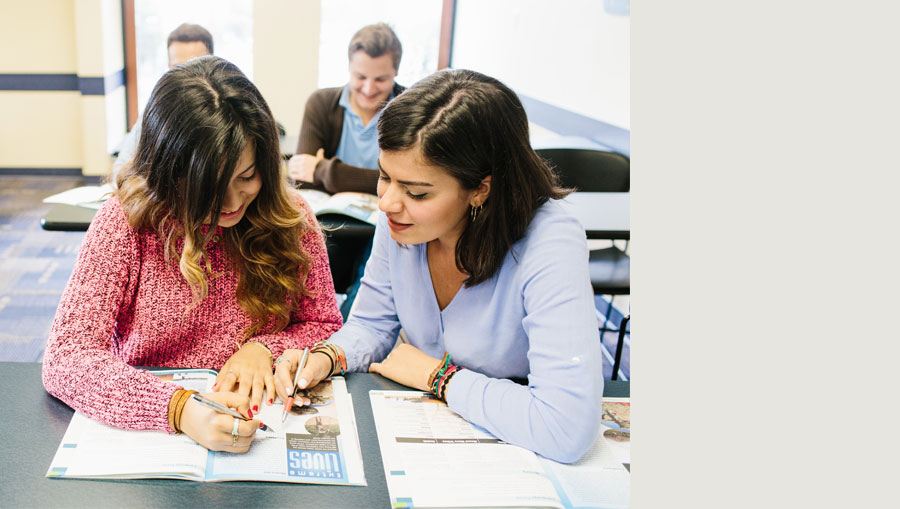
[200,117]
[474,126]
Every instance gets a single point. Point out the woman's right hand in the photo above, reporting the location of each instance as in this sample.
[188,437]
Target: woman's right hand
[316,370]
[213,429]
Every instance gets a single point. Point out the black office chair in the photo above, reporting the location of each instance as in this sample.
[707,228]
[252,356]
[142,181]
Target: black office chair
[598,171]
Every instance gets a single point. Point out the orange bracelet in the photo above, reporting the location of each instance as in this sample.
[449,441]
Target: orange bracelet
[436,369]
[338,358]
[173,401]
[180,407]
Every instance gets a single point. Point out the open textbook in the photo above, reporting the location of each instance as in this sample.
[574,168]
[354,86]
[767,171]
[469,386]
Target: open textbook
[435,458]
[362,206]
[318,444]
[86,196]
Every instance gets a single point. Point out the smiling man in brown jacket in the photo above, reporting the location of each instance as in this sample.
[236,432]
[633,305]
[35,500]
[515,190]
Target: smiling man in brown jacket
[338,146]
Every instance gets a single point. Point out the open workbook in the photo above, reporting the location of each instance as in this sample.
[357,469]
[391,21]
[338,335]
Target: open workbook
[91,197]
[317,444]
[362,206]
[435,458]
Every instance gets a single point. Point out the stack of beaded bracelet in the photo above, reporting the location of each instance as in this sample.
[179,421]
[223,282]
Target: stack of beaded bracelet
[176,406]
[441,376]
[336,356]
[439,369]
[330,359]
[444,381]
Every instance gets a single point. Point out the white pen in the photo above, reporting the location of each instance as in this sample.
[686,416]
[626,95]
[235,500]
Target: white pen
[215,405]
[293,392]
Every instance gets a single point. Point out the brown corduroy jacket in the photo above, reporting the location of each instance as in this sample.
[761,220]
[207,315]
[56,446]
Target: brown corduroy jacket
[323,121]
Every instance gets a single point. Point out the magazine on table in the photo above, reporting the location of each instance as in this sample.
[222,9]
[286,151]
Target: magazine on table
[316,444]
[362,206]
[435,458]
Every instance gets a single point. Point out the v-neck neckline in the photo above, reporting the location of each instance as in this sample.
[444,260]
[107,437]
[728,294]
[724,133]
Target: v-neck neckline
[434,299]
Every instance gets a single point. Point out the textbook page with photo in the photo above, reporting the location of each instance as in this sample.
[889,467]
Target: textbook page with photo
[362,206]
[434,458]
[317,444]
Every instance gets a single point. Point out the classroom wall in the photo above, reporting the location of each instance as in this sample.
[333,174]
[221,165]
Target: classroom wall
[286,56]
[63,99]
[61,90]
[571,54]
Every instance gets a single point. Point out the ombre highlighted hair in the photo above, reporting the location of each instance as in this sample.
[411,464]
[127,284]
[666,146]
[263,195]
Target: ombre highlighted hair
[200,117]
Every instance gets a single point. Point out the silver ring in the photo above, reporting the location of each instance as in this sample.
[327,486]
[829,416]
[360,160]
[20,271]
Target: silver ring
[234,430]
[279,359]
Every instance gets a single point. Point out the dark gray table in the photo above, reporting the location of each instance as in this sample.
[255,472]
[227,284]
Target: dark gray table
[34,423]
[68,218]
[603,215]
[72,218]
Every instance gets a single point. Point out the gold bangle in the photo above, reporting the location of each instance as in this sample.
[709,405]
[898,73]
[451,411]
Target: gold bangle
[176,396]
[176,414]
[180,407]
[173,409]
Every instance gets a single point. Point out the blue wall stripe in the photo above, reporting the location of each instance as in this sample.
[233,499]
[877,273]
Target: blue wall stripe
[569,123]
[41,171]
[63,82]
[89,180]
[90,86]
[38,82]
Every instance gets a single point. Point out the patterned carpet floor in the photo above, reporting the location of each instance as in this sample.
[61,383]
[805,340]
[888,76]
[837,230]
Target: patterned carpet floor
[35,266]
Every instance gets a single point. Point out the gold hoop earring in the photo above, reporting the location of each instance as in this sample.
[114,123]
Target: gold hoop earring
[475,211]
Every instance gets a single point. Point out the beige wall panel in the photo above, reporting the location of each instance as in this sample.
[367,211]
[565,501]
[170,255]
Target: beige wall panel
[89,37]
[97,160]
[40,130]
[286,56]
[113,45]
[37,36]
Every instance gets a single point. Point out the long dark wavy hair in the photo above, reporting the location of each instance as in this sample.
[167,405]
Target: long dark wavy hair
[200,117]
[474,126]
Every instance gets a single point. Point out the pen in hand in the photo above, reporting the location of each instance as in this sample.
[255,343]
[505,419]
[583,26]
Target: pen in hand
[215,405]
[293,392]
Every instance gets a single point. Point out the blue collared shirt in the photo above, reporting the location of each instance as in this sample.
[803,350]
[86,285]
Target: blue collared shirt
[534,318]
[359,143]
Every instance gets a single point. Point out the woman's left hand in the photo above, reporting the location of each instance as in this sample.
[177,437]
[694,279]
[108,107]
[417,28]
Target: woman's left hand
[407,365]
[248,372]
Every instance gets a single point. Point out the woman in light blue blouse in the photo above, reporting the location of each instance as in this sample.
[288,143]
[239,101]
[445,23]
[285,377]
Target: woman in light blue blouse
[477,261]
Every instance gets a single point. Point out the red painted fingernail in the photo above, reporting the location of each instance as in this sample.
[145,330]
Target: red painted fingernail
[251,413]
[271,401]
[256,408]
[215,385]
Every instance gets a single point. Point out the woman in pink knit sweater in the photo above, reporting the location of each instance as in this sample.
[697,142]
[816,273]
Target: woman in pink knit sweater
[203,258]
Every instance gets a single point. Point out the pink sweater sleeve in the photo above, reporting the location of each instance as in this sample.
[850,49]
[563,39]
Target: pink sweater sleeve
[318,316]
[79,367]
